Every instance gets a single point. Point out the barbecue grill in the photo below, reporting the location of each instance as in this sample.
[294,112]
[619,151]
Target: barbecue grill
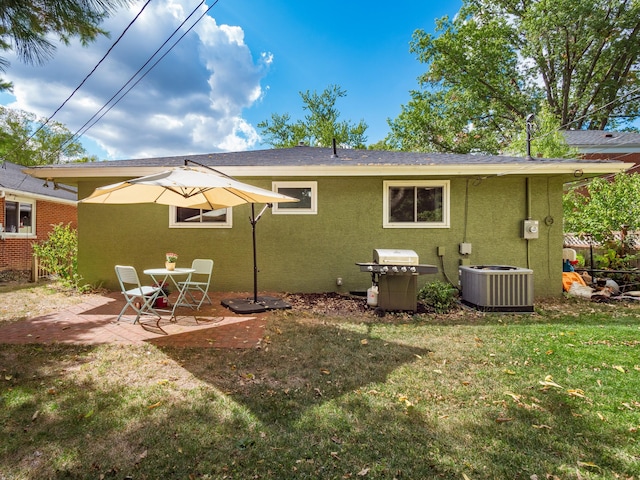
[395,273]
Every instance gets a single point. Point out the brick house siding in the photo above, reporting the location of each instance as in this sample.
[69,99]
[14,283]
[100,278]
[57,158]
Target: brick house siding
[51,203]
[17,253]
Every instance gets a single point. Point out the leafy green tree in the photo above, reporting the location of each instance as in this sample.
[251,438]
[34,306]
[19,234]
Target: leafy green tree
[24,140]
[547,139]
[605,208]
[499,60]
[320,125]
[28,27]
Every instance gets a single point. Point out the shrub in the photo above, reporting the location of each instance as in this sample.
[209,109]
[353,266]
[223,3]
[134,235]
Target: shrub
[58,254]
[439,295]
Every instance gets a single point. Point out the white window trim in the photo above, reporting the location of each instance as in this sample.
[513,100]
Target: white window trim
[173,223]
[32,202]
[283,210]
[445,184]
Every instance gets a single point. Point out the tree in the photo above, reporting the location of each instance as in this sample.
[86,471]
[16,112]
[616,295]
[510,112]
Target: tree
[546,138]
[320,126]
[24,142]
[27,27]
[499,60]
[608,207]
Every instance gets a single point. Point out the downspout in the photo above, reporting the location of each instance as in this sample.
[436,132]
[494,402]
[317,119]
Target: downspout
[528,200]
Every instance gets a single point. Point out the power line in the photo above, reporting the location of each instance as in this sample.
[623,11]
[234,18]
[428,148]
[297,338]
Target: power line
[47,120]
[106,107]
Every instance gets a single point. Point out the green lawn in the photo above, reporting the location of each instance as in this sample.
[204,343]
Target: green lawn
[551,395]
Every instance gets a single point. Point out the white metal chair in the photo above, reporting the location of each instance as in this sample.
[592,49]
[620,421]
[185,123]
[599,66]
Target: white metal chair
[199,281]
[140,298]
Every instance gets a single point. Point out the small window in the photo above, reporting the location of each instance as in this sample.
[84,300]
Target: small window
[19,217]
[199,218]
[306,192]
[416,204]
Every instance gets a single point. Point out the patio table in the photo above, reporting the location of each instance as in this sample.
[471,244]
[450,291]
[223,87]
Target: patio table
[162,273]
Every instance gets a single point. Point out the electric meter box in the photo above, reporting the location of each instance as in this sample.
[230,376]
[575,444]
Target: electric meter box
[530,229]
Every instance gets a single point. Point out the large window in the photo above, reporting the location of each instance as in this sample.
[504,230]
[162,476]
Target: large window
[306,192]
[416,204]
[19,217]
[198,218]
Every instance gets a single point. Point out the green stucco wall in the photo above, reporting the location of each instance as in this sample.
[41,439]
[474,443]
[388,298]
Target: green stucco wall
[307,253]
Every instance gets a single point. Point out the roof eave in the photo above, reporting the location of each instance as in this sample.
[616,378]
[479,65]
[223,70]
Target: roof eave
[73,174]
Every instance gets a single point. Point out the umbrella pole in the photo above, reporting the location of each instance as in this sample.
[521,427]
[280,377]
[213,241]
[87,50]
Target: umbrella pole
[255,258]
[248,305]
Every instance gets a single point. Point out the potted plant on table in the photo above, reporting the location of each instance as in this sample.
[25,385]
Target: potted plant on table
[170,263]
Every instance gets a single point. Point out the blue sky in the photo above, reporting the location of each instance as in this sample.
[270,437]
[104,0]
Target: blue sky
[246,60]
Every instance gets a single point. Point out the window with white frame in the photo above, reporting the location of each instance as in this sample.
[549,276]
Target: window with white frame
[180,217]
[416,204]
[19,216]
[306,192]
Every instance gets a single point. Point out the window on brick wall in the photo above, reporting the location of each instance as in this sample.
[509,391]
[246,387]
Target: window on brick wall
[19,217]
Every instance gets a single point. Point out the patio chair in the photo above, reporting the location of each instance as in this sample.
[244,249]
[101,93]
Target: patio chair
[199,281]
[139,298]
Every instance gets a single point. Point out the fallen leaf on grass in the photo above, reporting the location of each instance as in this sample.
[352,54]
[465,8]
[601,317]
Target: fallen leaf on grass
[548,382]
[576,392]
[363,472]
[364,341]
[588,465]
[509,372]
[600,416]
[155,405]
[503,420]
[324,371]
[620,368]
[543,426]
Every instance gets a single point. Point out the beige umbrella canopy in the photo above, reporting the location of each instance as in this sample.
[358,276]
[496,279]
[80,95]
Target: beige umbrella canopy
[185,187]
[193,188]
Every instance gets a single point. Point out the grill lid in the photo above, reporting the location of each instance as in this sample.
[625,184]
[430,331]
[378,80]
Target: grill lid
[389,256]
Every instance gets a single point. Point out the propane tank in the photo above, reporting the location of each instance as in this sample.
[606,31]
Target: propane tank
[372,296]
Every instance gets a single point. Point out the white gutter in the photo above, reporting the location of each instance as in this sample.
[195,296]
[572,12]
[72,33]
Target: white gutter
[498,169]
[12,194]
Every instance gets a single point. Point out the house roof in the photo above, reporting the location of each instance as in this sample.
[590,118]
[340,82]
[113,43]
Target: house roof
[600,141]
[314,161]
[14,181]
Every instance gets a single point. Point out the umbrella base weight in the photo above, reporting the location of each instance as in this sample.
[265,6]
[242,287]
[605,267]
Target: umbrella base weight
[248,305]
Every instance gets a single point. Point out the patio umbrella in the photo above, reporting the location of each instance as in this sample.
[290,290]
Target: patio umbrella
[189,187]
[185,187]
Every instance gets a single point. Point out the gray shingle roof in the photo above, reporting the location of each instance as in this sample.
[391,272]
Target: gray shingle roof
[12,177]
[577,138]
[315,156]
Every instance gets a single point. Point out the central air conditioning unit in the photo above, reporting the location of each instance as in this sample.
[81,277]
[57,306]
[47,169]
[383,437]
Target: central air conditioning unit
[497,288]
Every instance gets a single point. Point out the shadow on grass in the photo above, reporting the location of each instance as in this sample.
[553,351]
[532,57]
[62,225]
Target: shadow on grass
[315,401]
[300,365]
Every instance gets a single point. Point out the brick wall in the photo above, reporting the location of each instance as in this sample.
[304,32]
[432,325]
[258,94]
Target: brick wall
[632,157]
[16,253]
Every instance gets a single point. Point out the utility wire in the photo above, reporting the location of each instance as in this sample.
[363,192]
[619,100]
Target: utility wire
[106,107]
[80,86]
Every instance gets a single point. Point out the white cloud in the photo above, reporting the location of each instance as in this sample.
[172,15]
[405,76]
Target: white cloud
[191,102]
